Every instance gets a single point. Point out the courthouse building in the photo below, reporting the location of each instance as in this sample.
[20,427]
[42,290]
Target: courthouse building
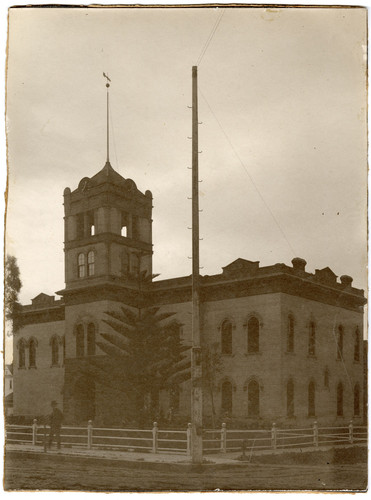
[290,341]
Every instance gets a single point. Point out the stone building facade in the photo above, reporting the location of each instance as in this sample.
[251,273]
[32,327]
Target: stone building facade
[290,342]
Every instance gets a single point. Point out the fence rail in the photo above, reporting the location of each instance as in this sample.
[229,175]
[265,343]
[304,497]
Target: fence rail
[179,441]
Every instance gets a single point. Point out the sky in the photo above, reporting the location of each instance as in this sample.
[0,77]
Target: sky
[282,101]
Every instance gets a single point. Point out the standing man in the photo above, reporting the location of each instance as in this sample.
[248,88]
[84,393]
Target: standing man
[55,420]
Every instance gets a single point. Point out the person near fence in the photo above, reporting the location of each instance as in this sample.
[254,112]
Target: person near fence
[55,422]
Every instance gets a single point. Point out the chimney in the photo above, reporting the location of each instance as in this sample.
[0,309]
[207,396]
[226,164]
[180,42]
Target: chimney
[346,280]
[298,264]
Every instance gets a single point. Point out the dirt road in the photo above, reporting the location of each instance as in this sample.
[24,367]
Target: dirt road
[82,475]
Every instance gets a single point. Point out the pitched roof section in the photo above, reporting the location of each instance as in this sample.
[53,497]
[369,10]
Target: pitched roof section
[107,174]
[326,275]
[43,300]
[240,266]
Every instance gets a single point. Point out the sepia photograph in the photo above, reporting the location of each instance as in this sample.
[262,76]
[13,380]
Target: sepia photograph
[185,263]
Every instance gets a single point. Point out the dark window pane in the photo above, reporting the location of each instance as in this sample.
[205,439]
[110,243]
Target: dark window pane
[32,353]
[253,399]
[91,339]
[253,335]
[226,339]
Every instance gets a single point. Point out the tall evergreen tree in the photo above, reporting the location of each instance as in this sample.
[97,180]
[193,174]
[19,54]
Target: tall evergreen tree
[145,353]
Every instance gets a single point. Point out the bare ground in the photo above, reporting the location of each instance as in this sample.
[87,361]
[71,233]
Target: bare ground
[335,470]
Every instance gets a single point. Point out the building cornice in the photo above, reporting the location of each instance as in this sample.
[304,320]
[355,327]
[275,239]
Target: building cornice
[179,290]
[108,238]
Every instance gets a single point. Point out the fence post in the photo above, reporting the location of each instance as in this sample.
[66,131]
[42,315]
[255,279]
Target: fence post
[189,437]
[351,432]
[223,439]
[90,434]
[315,434]
[274,436]
[154,437]
[34,431]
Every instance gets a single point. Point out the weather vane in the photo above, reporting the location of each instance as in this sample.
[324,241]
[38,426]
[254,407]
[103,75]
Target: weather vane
[108,79]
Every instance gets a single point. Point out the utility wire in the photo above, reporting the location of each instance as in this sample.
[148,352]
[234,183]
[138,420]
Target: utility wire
[248,173]
[210,37]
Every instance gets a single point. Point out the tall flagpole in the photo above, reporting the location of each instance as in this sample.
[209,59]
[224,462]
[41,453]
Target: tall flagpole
[196,368]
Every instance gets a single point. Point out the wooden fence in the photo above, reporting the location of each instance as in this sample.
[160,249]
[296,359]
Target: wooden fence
[157,440]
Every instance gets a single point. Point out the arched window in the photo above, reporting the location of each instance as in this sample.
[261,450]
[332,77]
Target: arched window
[326,378]
[32,353]
[80,348]
[91,259]
[290,399]
[253,335]
[339,399]
[227,390]
[253,399]
[124,231]
[81,265]
[226,340]
[312,339]
[357,345]
[311,399]
[55,351]
[290,334]
[356,401]
[340,342]
[21,354]
[91,339]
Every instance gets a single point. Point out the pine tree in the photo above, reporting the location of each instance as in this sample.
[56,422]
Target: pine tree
[145,355]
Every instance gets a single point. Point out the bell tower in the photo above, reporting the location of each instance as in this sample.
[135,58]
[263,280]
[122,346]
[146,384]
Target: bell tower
[108,228]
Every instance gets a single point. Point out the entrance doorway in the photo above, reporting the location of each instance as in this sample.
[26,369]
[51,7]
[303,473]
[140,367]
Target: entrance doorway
[84,400]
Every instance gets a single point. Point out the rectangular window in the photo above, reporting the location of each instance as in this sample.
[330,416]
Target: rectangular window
[81,265]
[91,261]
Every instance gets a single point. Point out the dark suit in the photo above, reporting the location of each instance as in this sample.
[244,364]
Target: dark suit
[56,419]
